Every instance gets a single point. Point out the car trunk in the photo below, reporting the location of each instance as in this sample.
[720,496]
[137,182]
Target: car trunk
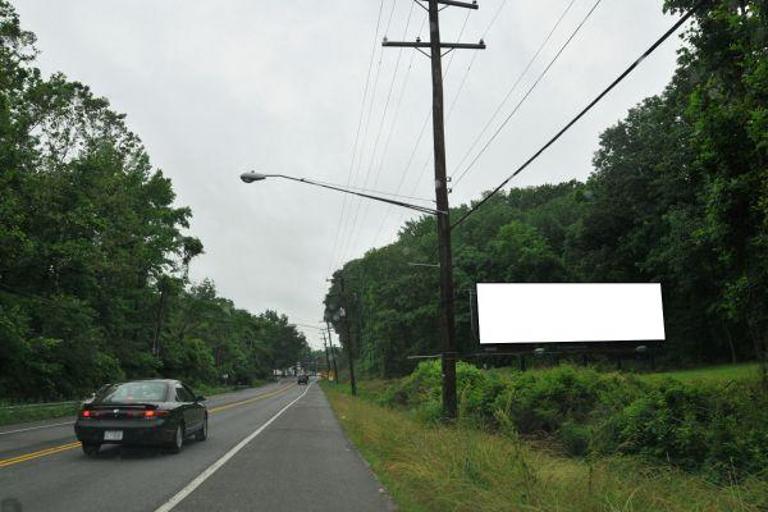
[120,411]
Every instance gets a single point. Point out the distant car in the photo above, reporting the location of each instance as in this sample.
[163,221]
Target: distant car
[160,412]
[303,379]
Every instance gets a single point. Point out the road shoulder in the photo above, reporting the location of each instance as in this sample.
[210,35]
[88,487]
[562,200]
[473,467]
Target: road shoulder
[303,461]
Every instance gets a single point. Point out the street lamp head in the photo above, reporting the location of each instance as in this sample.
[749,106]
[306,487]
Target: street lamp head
[250,177]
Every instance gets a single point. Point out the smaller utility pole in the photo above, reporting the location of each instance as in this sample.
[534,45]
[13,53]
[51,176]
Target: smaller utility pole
[333,353]
[327,359]
[352,383]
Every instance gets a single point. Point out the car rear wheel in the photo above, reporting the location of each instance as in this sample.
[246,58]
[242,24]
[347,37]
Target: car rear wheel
[178,439]
[202,434]
[91,449]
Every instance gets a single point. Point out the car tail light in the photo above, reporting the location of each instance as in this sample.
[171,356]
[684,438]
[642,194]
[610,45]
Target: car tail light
[154,413]
[85,413]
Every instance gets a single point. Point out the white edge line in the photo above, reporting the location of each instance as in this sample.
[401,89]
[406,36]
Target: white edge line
[36,428]
[202,477]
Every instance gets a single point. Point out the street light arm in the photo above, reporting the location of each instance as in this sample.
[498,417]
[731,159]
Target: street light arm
[418,208]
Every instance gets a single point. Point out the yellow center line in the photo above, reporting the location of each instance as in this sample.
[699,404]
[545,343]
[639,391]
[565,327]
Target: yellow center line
[250,400]
[70,446]
[41,453]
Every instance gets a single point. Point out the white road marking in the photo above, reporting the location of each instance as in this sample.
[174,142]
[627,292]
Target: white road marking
[205,475]
[36,428]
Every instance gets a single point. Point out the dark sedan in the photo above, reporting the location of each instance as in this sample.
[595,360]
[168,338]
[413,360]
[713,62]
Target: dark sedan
[145,412]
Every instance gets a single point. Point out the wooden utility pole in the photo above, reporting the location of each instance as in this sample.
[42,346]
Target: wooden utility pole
[345,315]
[333,353]
[447,317]
[327,358]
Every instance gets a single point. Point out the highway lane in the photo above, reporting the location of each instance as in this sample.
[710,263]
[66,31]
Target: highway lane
[130,478]
[307,459]
[30,438]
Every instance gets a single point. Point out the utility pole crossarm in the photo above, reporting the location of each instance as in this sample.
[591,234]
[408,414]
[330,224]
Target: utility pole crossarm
[456,3]
[427,44]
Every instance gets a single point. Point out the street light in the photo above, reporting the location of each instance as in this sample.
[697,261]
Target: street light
[250,177]
[447,323]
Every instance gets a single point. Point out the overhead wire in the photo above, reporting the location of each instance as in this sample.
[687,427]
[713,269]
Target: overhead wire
[515,84]
[393,124]
[583,112]
[357,134]
[487,29]
[374,191]
[458,91]
[413,153]
[346,221]
[364,206]
[530,90]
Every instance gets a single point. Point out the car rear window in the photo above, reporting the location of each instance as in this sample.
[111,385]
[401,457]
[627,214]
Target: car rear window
[135,392]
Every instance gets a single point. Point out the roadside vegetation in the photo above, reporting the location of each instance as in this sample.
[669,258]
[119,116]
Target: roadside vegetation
[95,253]
[431,467]
[15,414]
[565,438]
[718,428]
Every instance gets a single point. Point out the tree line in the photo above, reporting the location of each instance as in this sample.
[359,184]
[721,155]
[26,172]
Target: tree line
[678,195]
[94,255]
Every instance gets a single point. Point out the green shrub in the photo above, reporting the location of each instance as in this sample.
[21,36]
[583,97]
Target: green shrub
[720,431]
[575,438]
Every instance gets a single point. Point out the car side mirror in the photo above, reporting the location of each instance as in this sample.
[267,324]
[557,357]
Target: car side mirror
[200,398]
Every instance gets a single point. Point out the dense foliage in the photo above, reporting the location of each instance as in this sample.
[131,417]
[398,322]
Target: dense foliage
[679,195]
[718,430]
[94,255]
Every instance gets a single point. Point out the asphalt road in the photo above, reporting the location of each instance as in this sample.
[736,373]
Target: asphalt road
[277,447]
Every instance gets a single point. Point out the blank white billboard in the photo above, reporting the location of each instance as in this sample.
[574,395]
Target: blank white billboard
[569,312]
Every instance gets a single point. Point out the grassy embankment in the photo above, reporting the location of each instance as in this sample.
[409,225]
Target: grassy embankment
[428,467]
[24,414]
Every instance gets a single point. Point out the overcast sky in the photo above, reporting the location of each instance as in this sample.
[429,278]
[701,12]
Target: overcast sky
[218,88]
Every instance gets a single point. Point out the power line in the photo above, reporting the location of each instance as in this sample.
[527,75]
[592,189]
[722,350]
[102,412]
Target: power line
[357,134]
[307,326]
[581,114]
[373,191]
[426,121]
[396,116]
[421,133]
[346,226]
[369,117]
[450,113]
[527,94]
[514,85]
[360,204]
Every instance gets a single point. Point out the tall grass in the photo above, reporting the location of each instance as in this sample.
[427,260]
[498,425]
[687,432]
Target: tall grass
[722,374]
[429,467]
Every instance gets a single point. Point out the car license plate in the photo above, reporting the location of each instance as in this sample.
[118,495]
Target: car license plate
[113,435]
